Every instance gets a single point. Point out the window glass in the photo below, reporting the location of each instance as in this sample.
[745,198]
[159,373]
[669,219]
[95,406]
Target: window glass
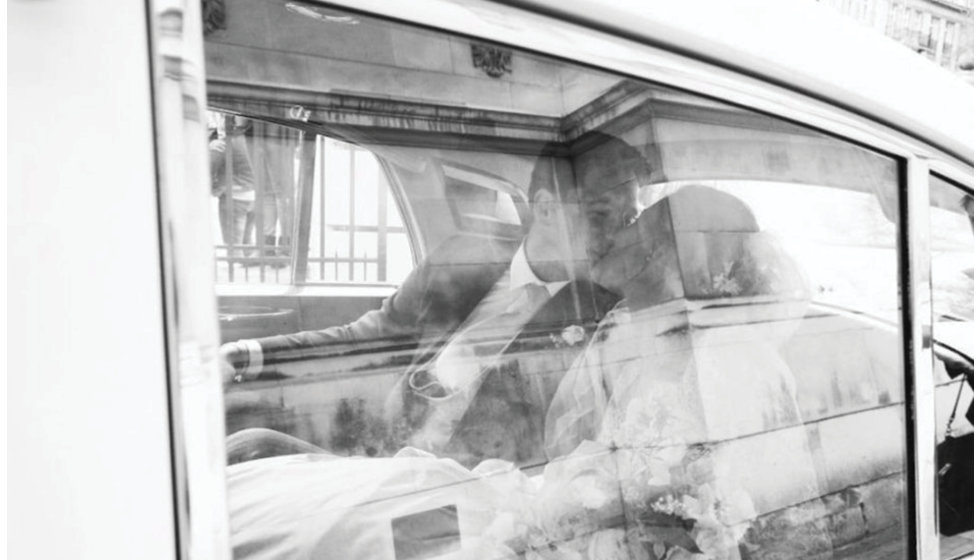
[951,224]
[949,55]
[836,236]
[935,29]
[910,26]
[925,26]
[643,323]
[352,219]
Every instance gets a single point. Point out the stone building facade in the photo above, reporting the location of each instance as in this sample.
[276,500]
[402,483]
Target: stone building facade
[941,30]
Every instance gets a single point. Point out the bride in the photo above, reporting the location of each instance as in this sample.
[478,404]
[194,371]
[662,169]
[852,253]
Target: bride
[684,384]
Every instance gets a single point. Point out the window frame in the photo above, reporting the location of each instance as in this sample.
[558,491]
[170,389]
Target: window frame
[915,269]
[675,67]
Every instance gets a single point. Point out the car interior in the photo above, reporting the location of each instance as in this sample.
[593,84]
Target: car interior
[377,143]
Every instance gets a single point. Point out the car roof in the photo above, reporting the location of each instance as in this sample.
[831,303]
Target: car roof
[804,46]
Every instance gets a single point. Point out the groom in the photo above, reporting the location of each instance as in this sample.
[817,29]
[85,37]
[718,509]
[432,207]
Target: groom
[481,322]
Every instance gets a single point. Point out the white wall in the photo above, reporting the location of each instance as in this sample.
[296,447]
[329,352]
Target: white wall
[89,464]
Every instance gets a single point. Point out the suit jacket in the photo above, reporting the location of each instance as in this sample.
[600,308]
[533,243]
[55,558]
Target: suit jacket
[506,418]
[434,299]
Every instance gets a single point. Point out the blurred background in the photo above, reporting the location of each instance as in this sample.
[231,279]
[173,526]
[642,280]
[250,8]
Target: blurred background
[940,30]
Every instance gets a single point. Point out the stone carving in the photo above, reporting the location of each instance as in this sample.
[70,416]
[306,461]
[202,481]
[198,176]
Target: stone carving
[213,14]
[492,60]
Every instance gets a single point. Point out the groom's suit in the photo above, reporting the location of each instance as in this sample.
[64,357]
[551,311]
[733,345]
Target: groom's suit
[505,417]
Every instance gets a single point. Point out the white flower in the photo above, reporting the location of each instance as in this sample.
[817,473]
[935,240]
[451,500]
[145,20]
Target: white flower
[503,528]
[692,506]
[735,504]
[670,505]
[659,474]
[590,493]
[715,540]
[722,283]
[573,335]
[609,544]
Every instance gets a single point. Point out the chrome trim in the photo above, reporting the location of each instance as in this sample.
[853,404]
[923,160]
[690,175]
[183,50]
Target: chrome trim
[564,40]
[920,403]
[158,68]
[801,78]
[957,173]
[177,51]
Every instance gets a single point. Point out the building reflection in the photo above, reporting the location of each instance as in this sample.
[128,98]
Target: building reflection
[940,30]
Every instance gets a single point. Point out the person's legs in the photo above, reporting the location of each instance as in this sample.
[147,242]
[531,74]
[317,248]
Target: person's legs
[241,212]
[284,201]
[226,217]
[270,219]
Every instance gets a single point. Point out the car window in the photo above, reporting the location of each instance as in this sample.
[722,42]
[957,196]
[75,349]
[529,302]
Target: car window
[642,322]
[951,227]
[837,236]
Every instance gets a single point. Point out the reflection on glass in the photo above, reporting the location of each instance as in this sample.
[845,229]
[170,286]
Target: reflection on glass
[256,183]
[644,325]
[951,227]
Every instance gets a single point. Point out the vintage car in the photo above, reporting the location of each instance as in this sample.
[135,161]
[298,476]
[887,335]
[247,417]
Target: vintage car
[753,249]
[755,409]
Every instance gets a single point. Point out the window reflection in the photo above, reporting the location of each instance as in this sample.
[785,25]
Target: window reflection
[951,226]
[643,323]
[352,216]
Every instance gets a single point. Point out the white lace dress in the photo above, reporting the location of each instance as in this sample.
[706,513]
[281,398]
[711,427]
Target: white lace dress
[693,405]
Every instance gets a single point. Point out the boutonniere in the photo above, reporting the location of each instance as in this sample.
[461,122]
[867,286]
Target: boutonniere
[572,335]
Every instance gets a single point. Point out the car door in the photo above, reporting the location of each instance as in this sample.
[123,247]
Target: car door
[787,352]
